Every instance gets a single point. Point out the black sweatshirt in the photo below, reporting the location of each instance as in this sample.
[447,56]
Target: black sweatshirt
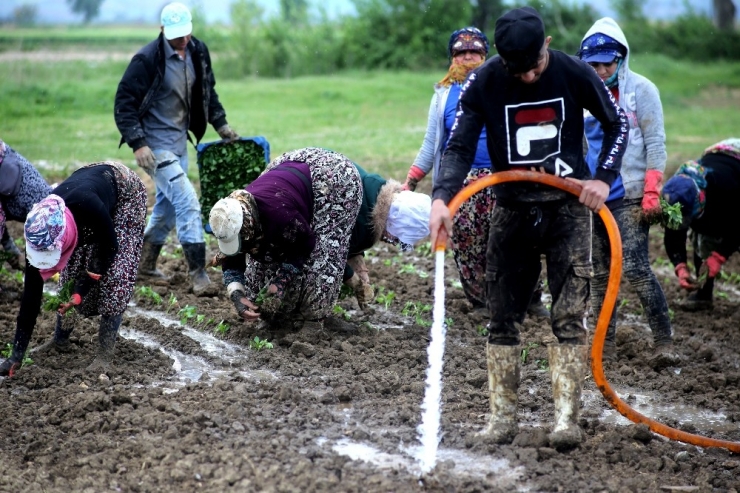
[91,195]
[533,126]
[718,219]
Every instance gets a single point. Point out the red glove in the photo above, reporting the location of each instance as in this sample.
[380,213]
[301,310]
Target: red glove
[75,300]
[711,266]
[684,277]
[413,178]
[651,194]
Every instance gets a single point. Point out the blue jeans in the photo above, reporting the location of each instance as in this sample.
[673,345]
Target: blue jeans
[176,202]
[636,268]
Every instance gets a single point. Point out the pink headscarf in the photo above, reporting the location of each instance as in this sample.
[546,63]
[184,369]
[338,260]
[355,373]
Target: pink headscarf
[69,242]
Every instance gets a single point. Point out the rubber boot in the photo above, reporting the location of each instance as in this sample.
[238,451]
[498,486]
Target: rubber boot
[504,364]
[567,369]
[195,254]
[148,264]
[12,364]
[60,341]
[107,336]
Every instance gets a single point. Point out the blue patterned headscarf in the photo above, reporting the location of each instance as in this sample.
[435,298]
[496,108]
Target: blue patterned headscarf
[688,186]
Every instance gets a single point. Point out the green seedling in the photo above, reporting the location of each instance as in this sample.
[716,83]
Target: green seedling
[199,319]
[722,295]
[171,302]
[149,294]
[449,321]
[385,297]
[526,349]
[186,313]
[8,351]
[542,364]
[261,296]
[671,217]
[482,331]
[457,284]
[624,303]
[222,327]
[407,269]
[417,310]
[338,310]
[671,314]
[425,249]
[259,344]
[52,302]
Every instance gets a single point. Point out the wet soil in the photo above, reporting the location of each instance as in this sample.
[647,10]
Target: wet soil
[337,409]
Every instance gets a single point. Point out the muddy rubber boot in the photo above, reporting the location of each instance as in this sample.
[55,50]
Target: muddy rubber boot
[60,342]
[567,369]
[107,336]
[195,254]
[12,364]
[148,263]
[536,308]
[503,382]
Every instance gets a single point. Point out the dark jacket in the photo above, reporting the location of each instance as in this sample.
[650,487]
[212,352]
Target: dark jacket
[717,221]
[142,80]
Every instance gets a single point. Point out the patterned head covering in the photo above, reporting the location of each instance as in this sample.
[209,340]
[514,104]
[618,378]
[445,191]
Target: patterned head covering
[44,232]
[234,221]
[467,39]
[730,147]
[600,48]
[688,187]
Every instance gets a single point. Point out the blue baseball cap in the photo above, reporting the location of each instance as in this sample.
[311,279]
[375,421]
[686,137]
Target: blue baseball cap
[176,20]
[600,48]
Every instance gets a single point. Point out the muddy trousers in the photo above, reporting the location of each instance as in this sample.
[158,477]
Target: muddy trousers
[636,269]
[520,233]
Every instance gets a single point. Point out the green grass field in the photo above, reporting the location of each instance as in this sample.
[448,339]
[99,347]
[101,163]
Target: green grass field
[59,113]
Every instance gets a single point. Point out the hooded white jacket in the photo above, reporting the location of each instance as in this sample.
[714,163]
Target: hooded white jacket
[640,100]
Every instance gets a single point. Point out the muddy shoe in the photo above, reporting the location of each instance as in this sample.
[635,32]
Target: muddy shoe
[664,356]
[693,303]
[9,367]
[101,364]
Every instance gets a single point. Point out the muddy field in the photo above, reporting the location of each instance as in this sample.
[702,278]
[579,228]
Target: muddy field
[192,408]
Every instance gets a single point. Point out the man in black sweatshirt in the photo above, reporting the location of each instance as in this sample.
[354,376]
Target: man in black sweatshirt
[531,100]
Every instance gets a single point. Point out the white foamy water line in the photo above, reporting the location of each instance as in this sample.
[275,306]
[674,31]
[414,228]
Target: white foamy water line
[212,345]
[499,471]
[191,368]
[431,407]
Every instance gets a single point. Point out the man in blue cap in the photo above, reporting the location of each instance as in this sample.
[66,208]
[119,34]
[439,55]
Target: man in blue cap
[167,91]
[531,100]
[707,190]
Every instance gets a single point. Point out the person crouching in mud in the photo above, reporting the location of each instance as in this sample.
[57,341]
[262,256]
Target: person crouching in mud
[284,240]
[90,231]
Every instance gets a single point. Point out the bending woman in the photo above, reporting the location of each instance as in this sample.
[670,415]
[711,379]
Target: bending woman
[90,230]
[284,239]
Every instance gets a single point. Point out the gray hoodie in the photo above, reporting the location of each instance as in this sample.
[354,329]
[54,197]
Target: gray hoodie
[640,100]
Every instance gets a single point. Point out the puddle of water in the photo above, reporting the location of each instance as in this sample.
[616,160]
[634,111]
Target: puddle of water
[465,464]
[648,405]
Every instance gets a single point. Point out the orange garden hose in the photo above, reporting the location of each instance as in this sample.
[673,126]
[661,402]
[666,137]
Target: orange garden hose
[612,289]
